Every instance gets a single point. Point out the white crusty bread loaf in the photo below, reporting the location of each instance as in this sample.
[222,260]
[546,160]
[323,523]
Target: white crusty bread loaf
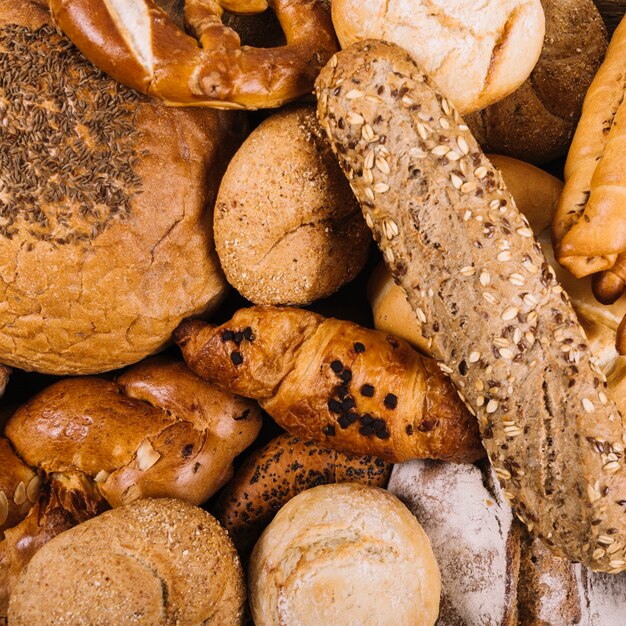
[344,554]
[474,536]
[502,327]
[477,54]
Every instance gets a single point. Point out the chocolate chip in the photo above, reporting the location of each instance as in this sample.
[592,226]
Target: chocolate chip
[359,347]
[334,406]
[336,366]
[366,430]
[346,376]
[238,337]
[248,335]
[344,422]
[382,434]
[391,401]
[228,335]
[366,419]
[379,424]
[348,404]
[409,429]
[236,358]
[329,430]
[187,450]
[342,391]
[352,417]
[367,391]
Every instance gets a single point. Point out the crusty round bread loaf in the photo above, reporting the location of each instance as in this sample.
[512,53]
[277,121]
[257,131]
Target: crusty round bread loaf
[344,554]
[105,207]
[537,122]
[151,562]
[476,54]
[287,227]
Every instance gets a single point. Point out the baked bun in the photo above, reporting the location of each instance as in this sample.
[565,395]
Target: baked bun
[19,487]
[152,562]
[105,227]
[287,228]
[537,122]
[477,55]
[344,554]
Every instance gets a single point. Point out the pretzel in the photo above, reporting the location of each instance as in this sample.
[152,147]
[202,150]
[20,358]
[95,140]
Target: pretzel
[138,44]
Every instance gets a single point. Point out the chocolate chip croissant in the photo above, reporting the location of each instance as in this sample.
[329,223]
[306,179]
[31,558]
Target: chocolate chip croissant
[331,381]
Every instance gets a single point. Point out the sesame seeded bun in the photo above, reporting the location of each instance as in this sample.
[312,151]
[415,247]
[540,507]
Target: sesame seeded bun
[477,53]
[287,227]
[344,554]
[105,207]
[151,562]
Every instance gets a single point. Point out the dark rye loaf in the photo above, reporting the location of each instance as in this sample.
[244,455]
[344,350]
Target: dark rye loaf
[500,324]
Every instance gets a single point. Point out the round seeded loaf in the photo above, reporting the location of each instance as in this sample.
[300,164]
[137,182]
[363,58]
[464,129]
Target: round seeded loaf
[287,227]
[151,562]
[105,207]
[344,554]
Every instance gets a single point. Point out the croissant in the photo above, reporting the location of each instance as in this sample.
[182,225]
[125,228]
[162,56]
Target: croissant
[331,381]
[589,226]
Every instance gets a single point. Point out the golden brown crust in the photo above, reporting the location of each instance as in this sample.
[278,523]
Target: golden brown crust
[279,471]
[141,47]
[125,273]
[287,227]
[536,122]
[588,227]
[160,431]
[347,387]
[152,562]
[19,487]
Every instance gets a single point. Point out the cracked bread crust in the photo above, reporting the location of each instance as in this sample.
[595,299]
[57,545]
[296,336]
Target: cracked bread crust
[105,228]
[501,325]
[287,228]
[151,562]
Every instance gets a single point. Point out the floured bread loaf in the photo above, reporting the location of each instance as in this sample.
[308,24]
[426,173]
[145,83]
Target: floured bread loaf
[105,207]
[474,538]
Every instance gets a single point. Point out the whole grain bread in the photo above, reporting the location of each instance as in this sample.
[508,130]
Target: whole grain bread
[501,325]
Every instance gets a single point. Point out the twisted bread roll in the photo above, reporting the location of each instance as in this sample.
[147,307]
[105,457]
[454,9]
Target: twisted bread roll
[159,431]
[279,471]
[331,381]
[502,327]
[137,43]
[589,226]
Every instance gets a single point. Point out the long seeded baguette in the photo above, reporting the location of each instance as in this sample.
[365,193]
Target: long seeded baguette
[501,326]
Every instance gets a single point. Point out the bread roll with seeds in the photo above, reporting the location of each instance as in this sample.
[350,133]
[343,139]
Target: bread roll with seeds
[344,554]
[287,228]
[331,381]
[279,471]
[150,562]
[105,235]
[502,328]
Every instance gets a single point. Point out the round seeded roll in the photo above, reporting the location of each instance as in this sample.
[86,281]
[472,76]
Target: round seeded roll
[287,227]
[105,207]
[537,122]
[344,554]
[477,53]
[151,562]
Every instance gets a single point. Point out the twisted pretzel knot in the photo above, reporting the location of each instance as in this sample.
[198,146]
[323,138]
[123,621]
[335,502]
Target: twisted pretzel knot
[138,44]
